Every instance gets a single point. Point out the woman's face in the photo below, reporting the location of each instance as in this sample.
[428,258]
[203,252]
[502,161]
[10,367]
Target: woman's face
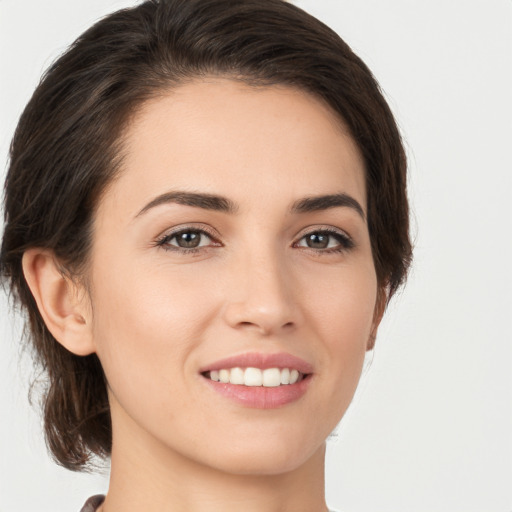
[237,231]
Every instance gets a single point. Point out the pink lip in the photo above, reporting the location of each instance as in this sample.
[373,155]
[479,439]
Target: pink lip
[262,361]
[260,397]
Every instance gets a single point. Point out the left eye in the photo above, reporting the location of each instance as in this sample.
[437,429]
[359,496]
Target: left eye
[325,240]
[187,239]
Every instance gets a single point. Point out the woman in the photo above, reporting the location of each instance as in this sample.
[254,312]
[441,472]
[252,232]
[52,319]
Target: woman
[206,216]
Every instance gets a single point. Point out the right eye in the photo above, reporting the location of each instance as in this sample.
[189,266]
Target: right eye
[186,240]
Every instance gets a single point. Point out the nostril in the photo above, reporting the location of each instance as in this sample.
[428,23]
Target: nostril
[265,314]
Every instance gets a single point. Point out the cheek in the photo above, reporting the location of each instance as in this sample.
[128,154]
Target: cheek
[342,315]
[342,304]
[146,323]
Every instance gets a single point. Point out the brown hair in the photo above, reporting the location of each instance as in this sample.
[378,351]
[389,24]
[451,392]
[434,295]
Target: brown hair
[66,150]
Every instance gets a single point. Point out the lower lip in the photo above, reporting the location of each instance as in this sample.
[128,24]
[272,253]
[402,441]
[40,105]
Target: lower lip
[260,397]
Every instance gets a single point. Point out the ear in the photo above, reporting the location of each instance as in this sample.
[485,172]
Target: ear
[378,313]
[62,303]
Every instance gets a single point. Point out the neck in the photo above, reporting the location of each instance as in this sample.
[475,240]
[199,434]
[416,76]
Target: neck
[147,477]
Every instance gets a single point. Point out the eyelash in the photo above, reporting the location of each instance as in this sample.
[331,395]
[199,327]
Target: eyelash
[345,242]
[163,241]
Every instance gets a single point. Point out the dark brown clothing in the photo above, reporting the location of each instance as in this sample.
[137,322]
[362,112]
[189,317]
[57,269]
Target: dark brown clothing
[93,503]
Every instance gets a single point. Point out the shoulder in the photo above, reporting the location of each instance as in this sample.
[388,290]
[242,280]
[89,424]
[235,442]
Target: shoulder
[93,503]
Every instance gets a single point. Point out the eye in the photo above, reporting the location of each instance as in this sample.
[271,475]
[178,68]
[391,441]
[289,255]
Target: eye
[186,240]
[326,240]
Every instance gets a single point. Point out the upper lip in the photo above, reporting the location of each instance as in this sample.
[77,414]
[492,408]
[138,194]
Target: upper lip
[262,361]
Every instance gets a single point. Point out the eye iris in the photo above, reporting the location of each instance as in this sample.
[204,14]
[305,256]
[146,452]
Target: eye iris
[188,239]
[318,241]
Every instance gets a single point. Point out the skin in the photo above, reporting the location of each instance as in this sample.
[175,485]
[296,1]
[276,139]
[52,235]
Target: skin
[155,315]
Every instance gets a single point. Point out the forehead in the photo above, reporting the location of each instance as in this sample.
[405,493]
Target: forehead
[224,137]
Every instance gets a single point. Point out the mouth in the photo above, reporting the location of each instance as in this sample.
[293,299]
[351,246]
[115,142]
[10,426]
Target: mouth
[256,377]
[262,381]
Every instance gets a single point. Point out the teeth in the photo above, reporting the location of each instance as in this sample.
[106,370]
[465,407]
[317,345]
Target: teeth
[270,378]
[253,377]
[224,376]
[236,376]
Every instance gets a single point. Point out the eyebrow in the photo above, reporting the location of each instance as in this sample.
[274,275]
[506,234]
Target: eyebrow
[225,205]
[198,200]
[318,203]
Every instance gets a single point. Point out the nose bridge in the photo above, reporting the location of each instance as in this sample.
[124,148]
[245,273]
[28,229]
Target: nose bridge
[261,294]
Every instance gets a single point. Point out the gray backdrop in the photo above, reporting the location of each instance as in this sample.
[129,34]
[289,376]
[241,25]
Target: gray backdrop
[430,429]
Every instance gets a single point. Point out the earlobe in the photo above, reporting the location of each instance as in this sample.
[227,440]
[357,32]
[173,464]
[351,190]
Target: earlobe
[62,306]
[380,307]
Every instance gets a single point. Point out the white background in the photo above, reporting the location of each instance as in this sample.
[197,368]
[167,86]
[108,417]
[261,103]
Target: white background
[431,427]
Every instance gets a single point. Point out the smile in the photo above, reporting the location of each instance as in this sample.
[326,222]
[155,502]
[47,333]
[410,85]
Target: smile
[269,378]
[259,380]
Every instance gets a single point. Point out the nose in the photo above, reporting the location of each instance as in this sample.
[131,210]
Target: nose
[262,296]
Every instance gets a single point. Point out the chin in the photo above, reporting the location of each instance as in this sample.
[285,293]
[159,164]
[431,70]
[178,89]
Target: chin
[265,466]
[266,456]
